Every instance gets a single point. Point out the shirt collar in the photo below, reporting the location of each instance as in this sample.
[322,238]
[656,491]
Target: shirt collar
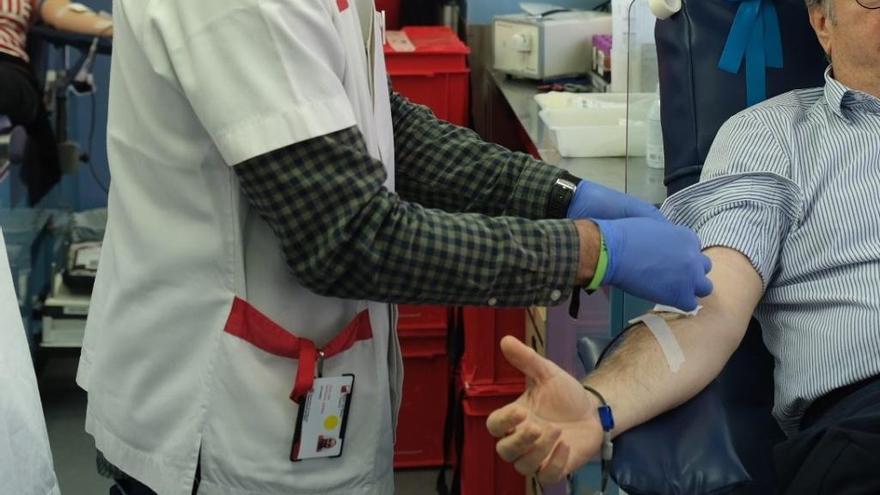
[839,97]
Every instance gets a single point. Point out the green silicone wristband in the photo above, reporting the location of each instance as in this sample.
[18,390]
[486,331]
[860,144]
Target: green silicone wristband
[601,266]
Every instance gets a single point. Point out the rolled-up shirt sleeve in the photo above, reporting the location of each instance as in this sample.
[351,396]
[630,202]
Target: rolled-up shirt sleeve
[745,200]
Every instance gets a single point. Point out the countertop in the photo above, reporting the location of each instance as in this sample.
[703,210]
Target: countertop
[629,174]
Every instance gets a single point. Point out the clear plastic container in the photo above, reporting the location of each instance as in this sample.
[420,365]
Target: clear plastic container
[644,168]
[654,157]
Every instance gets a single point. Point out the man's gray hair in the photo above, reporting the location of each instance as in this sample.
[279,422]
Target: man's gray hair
[828,5]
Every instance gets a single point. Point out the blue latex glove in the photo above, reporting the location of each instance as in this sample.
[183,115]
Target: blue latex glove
[656,261]
[596,201]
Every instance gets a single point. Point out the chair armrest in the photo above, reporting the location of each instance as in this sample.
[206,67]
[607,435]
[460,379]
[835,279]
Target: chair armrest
[688,450]
[63,38]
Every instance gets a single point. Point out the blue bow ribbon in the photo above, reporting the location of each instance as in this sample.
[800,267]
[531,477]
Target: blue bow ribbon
[755,37]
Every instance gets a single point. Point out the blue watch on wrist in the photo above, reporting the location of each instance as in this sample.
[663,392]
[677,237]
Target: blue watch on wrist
[606,416]
[606,419]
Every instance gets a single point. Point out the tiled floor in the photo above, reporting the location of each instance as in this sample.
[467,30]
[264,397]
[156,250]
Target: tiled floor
[64,405]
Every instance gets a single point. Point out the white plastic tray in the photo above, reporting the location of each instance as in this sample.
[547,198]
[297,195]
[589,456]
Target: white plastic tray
[558,99]
[595,125]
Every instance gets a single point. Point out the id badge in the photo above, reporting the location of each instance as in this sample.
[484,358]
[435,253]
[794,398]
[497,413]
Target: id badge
[322,419]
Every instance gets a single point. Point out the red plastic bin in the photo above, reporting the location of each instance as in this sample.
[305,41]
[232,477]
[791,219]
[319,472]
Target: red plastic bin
[482,471]
[422,317]
[435,73]
[392,12]
[482,362]
[425,399]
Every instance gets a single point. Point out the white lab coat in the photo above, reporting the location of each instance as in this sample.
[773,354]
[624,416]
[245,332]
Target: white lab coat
[26,466]
[198,86]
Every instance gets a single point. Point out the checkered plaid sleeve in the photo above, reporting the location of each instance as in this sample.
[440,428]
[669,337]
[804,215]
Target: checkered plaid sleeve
[444,166]
[345,235]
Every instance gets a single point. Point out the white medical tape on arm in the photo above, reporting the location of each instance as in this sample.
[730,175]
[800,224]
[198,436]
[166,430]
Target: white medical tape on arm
[669,309]
[77,8]
[658,326]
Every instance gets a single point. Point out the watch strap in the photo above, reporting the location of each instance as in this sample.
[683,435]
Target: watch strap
[561,195]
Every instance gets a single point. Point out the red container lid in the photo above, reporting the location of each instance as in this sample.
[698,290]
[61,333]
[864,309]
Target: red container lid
[420,48]
[428,39]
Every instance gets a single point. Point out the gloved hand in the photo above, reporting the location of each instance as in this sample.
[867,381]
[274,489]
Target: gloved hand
[596,201]
[656,261]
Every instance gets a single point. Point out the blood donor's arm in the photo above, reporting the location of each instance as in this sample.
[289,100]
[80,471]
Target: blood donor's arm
[76,18]
[637,380]
[553,428]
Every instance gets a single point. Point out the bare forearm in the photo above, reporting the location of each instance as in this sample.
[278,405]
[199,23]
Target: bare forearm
[637,380]
[589,239]
[61,15]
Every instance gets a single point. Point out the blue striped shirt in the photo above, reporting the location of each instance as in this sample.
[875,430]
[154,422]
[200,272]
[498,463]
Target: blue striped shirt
[794,184]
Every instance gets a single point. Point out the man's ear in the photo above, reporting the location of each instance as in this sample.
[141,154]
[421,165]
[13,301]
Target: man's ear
[823,25]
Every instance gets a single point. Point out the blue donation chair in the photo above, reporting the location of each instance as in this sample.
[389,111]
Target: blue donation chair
[14,139]
[717,57]
[12,145]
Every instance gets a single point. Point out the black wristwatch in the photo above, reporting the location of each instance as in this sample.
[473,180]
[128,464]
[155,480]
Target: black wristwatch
[561,194]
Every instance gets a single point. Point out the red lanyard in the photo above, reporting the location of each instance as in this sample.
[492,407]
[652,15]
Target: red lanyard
[250,325]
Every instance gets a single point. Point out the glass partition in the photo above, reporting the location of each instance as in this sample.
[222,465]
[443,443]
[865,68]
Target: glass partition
[644,142]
